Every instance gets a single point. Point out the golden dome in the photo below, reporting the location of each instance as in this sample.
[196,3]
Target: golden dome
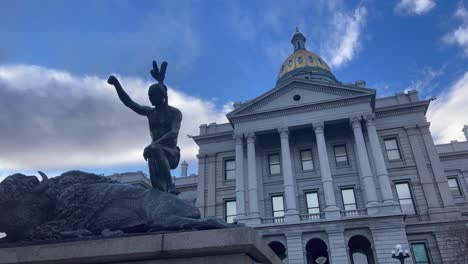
[301,59]
[304,64]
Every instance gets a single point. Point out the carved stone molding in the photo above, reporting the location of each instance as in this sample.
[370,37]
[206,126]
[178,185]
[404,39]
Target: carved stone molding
[318,127]
[238,138]
[284,132]
[250,137]
[370,120]
[355,121]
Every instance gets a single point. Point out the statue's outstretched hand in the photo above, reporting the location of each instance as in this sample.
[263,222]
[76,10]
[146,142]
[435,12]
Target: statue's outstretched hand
[112,80]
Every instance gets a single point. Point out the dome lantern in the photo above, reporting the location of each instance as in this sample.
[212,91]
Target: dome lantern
[298,40]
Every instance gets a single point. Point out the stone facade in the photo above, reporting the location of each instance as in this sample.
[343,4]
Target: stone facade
[310,142]
[380,149]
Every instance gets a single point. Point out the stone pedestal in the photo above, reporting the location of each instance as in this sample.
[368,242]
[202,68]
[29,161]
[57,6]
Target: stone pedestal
[231,245]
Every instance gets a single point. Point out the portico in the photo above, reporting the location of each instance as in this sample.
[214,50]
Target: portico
[247,184]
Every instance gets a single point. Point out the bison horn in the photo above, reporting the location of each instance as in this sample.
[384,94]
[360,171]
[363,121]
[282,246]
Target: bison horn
[44,185]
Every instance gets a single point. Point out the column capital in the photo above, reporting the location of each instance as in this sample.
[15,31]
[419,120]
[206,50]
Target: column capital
[355,121]
[250,137]
[370,119]
[318,127]
[238,138]
[284,132]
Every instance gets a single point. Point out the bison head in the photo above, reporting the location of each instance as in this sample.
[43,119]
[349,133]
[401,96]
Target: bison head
[24,205]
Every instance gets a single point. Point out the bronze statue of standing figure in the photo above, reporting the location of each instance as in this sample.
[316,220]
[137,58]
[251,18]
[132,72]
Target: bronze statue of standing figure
[164,123]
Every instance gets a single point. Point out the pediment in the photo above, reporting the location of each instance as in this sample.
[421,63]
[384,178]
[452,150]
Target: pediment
[296,94]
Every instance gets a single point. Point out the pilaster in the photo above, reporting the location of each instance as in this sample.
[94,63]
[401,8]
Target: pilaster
[211,186]
[200,203]
[295,248]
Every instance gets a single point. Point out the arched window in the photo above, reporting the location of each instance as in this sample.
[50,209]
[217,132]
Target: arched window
[360,250]
[279,249]
[317,252]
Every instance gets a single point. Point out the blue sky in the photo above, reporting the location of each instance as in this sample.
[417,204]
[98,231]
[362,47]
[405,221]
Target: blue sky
[56,55]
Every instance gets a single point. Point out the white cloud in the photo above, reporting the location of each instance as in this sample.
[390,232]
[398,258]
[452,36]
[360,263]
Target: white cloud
[52,119]
[414,7]
[447,114]
[426,82]
[345,37]
[459,36]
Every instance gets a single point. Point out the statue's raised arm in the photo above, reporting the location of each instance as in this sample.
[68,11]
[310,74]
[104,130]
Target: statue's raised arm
[139,109]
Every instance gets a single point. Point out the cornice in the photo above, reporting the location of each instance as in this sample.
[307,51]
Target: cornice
[229,135]
[402,109]
[302,108]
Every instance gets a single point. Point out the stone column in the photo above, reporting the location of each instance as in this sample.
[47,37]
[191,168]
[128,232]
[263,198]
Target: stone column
[210,210]
[380,167]
[289,182]
[365,170]
[240,185]
[200,203]
[331,211]
[254,215]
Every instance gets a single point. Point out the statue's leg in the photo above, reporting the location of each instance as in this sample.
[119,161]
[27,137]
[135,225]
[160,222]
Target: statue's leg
[163,169]
[155,176]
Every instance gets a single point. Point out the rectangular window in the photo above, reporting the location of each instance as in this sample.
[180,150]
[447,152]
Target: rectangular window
[420,253]
[306,160]
[405,198]
[230,169]
[277,205]
[312,203]
[341,155]
[229,211]
[274,164]
[391,146]
[454,187]
[349,200]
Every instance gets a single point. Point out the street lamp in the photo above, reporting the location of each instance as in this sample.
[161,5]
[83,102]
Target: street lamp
[400,254]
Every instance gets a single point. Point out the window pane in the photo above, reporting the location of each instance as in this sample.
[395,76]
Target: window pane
[391,144]
[306,155]
[407,206]
[312,200]
[453,186]
[277,203]
[307,165]
[275,169]
[452,183]
[420,253]
[349,207]
[348,196]
[230,165]
[393,154]
[278,213]
[274,159]
[313,210]
[231,175]
[342,159]
[403,191]
[230,219]
[340,150]
[359,258]
[230,211]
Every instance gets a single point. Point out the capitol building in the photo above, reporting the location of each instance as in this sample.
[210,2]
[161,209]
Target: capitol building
[329,172]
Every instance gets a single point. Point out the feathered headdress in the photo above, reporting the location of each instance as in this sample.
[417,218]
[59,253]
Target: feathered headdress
[157,74]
